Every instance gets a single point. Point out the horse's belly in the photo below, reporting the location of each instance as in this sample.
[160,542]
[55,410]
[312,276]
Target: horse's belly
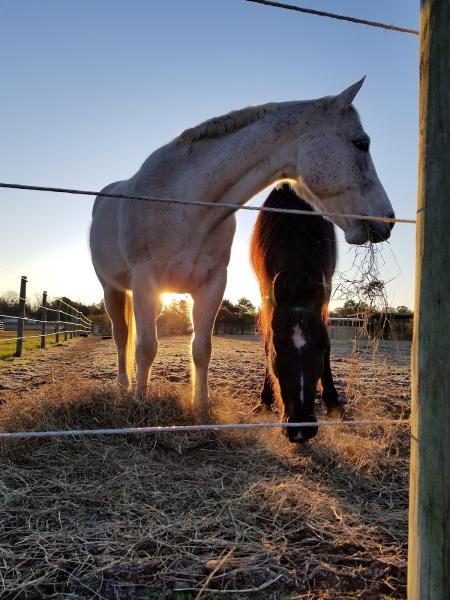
[163,244]
[187,272]
[176,253]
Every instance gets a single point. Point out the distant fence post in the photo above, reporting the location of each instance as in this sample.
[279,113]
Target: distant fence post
[70,311]
[21,315]
[66,327]
[58,320]
[44,319]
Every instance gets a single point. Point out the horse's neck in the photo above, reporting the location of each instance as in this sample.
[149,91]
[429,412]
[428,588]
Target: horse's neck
[246,161]
[235,167]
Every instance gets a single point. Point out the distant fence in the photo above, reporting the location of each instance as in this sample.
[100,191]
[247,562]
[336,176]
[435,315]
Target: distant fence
[389,326]
[67,322]
[345,328]
[380,326]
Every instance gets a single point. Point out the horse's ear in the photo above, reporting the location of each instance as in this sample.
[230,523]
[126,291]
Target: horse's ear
[345,98]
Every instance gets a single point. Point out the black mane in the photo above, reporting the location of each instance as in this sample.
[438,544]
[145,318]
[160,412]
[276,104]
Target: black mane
[297,251]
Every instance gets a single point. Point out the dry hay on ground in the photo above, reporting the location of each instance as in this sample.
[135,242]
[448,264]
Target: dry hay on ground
[217,515]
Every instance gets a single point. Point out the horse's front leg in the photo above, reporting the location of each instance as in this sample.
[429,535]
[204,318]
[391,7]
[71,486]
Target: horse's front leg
[335,406]
[147,307]
[207,300]
[267,395]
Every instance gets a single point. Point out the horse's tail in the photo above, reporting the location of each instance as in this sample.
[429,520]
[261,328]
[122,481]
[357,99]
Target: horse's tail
[131,339]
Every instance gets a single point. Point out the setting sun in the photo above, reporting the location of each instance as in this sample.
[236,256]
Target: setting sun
[168,297]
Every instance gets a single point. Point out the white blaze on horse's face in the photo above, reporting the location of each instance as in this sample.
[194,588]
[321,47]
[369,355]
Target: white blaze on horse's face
[336,173]
[298,338]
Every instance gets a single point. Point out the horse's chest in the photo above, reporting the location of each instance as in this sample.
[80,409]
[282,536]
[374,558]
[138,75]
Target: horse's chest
[178,255]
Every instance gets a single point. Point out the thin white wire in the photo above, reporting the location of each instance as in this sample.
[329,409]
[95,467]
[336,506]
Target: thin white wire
[191,428]
[234,207]
[82,323]
[27,337]
[82,317]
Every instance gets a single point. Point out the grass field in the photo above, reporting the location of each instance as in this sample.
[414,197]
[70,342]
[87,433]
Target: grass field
[231,515]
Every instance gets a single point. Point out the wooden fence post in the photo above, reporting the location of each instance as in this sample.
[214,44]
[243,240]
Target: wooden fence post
[21,315]
[44,320]
[429,511]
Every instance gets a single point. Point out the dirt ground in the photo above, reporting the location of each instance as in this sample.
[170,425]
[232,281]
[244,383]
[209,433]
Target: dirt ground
[200,515]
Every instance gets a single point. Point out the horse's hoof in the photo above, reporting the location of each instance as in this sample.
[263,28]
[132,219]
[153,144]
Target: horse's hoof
[202,412]
[205,416]
[262,408]
[336,412]
[122,384]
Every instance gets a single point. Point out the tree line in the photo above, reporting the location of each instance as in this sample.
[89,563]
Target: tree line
[175,317]
[233,318]
[9,305]
[353,307]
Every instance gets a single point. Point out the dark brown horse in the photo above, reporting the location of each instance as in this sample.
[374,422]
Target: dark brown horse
[294,257]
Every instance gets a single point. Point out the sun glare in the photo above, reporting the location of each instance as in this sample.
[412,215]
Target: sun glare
[168,297]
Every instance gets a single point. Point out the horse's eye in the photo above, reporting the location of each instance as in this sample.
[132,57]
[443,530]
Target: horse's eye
[362,144]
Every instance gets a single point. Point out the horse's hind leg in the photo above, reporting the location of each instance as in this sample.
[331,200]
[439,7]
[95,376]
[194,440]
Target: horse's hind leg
[116,304]
[207,301]
[267,396]
[330,397]
[147,306]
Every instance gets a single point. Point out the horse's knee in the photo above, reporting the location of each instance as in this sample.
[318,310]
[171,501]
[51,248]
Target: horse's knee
[201,351]
[146,349]
[120,334]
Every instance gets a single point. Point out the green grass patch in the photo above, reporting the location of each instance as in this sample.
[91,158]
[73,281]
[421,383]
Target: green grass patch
[8,345]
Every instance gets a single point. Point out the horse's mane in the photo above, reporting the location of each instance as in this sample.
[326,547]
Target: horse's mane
[220,126]
[291,254]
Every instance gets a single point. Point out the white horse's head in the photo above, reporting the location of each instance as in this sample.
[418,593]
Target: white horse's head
[336,172]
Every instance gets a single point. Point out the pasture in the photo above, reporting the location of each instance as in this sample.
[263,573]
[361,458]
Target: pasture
[217,515]
[7,349]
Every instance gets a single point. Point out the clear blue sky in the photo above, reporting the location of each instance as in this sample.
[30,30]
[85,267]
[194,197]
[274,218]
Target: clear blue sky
[90,88]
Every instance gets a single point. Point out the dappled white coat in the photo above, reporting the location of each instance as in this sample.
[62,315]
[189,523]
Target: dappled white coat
[140,249]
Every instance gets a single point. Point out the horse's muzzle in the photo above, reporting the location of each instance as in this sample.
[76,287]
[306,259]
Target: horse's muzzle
[369,231]
[378,231]
[299,435]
